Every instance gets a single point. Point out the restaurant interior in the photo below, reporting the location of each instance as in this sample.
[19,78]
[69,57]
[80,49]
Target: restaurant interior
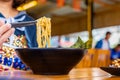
[76,25]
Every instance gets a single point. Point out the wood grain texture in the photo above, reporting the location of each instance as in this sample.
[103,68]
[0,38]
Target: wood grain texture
[75,74]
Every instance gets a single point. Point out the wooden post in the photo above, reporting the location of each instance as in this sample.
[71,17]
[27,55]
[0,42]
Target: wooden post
[90,21]
[90,17]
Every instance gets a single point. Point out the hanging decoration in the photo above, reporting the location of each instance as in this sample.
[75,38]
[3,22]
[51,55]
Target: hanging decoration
[76,4]
[60,3]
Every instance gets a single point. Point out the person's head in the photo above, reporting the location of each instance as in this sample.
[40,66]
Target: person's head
[117,48]
[108,34]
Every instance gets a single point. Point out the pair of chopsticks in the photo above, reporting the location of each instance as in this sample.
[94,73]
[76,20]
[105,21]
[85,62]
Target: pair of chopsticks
[23,24]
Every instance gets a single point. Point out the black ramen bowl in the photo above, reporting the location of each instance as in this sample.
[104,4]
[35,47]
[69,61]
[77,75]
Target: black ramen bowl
[50,61]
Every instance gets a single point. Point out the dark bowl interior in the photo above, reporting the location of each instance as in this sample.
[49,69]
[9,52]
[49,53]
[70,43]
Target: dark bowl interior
[50,61]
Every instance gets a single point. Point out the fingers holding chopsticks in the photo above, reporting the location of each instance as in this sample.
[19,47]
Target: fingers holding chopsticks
[5,32]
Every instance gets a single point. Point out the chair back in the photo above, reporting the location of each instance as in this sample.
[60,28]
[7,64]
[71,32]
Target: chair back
[95,58]
[101,58]
[87,59]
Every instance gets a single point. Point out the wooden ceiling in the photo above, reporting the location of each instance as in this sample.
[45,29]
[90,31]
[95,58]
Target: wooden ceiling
[66,20]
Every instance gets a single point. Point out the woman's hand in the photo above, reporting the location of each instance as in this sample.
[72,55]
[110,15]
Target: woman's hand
[5,32]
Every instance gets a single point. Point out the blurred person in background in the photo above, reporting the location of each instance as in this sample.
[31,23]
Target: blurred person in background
[104,43]
[22,37]
[115,53]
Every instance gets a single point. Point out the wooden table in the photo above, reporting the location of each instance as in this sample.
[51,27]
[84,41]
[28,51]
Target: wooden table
[75,74]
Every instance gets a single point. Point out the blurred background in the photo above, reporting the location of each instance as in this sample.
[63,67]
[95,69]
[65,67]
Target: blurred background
[69,19]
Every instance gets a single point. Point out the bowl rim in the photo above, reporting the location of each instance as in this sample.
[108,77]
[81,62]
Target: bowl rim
[50,49]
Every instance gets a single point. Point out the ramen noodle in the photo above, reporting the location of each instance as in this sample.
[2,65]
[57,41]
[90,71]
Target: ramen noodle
[43,32]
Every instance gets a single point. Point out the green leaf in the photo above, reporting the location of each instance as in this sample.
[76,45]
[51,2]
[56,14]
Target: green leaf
[80,44]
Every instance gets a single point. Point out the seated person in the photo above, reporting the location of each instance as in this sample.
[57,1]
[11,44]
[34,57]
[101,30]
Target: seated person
[115,53]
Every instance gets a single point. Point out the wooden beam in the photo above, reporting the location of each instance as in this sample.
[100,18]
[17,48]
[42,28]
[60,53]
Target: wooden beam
[107,18]
[102,3]
[69,26]
[116,1]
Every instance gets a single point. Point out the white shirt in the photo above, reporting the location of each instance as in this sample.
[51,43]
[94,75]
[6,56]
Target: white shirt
[105,45]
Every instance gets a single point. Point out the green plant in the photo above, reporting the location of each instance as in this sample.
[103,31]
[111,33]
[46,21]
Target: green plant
[81,44]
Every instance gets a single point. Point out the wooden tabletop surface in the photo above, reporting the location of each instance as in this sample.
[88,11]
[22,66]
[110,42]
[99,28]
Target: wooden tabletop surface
[75,74]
